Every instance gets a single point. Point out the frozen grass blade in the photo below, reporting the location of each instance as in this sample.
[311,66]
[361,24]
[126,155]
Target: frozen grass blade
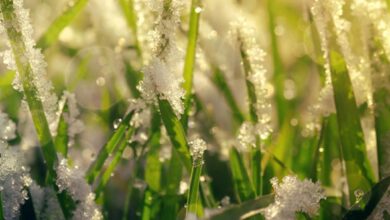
[189,63]
[127,7]
[176,132]
[220,82]
[242,183]
[108,148]
[132,78]
[255,151]
[35,105]
[107,174]
[359,172]
[62,138]
[52,33]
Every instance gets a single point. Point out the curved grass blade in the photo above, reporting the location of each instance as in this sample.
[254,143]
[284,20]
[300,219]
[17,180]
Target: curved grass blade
[238,211]
[52,33]
[62,138]
[108,148]
[132,78]
[107,174]
[176,132]
[359,173]
[131,19]
[189,63]
[242,183]
[220,82]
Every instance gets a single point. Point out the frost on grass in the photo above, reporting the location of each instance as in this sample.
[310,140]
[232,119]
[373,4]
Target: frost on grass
[293,195]
[244,38]
[34,58]
[7,127]
[75,125]
[197,148]
[162,76]
[72,180]
[14,176]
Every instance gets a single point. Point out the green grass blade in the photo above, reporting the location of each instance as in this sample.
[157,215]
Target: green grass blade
[189,63]
[242,183]
[278,70]
[152,169]
[170,204]
[52,33]
[132,78]
[193,193]
[220,82]
[1,208]
[127,7]
[359,172]
[62,138]
[108,148]
[176,132]
[107,174]
[238,211]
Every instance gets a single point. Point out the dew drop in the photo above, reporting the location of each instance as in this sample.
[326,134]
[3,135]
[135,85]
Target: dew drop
[198,10]
[100,81]
[117,122]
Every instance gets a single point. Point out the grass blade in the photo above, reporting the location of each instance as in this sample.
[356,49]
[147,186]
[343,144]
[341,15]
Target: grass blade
[242,183]
[131,19]
[62,138]
[251,92]
[35,105]
[220,82]
[359,173]
[108,148]
[52,33]
[111,168]
[152,169]
[193,193]
[189,62]
[277,66]
[176,132]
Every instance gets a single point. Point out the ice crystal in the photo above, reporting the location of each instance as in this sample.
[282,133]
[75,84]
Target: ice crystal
[197,148]
[246,136]
[34,58]
[72,180]
[162,77]
[7,127]
[159,82]
[14,177]
[293,195]
[76,126]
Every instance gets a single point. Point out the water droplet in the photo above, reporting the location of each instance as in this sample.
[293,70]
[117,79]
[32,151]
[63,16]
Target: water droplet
[100,81]
[1,188]
[198,10]
[117,122]
[358,194]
